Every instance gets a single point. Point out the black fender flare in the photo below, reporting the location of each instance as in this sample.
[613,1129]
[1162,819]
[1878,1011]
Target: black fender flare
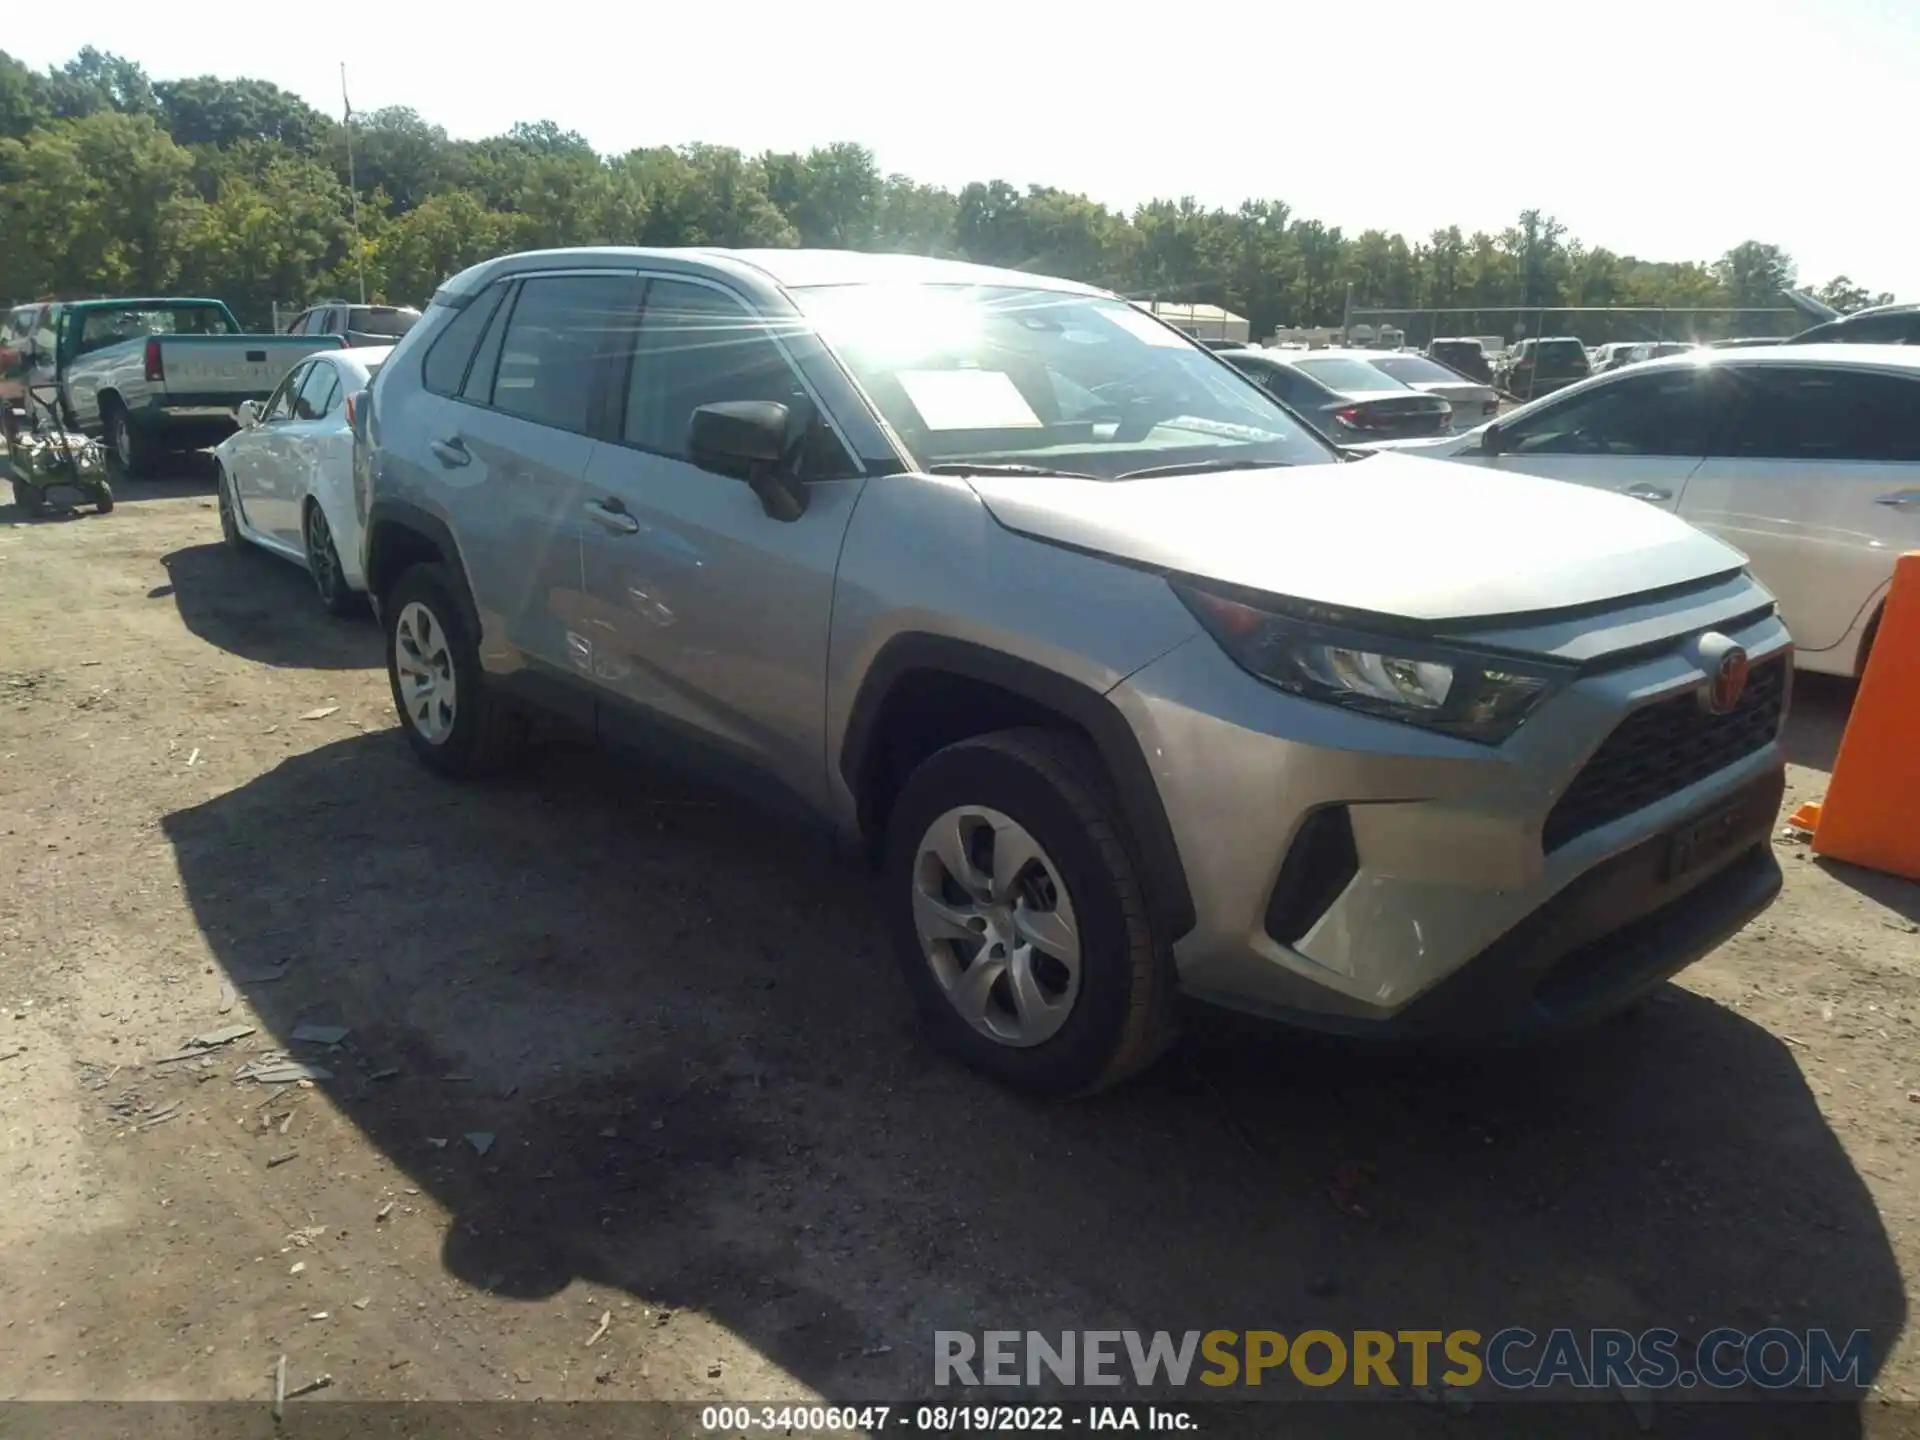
[384,515]
[1163,874]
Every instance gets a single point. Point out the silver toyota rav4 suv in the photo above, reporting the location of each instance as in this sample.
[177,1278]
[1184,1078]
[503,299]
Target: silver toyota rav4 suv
[1131,684]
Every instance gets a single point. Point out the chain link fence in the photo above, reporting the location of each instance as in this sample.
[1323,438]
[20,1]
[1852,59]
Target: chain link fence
[1591,324]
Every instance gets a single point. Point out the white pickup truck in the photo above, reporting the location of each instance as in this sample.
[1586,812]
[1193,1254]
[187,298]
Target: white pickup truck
[154,376]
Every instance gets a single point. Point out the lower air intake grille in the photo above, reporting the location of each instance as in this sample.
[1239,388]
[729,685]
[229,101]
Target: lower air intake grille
[1663,748]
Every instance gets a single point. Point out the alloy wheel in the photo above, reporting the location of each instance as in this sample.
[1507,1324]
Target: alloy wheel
[322,561]
[122,439]
[423,665]
[996,926]
[229,522]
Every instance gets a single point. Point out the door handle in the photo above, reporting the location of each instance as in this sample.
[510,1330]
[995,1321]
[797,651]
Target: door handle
[451,451]
[1899,499]
[1646,492]
[608,515]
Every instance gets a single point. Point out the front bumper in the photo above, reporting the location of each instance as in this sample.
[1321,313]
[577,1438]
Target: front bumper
[1459,913]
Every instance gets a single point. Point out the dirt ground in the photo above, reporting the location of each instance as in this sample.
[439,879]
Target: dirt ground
[630,1103]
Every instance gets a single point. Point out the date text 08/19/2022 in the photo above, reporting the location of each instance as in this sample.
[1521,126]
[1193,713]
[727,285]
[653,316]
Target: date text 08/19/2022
[939,1419]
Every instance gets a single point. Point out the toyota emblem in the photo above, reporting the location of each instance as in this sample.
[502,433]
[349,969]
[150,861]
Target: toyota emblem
[1729,681]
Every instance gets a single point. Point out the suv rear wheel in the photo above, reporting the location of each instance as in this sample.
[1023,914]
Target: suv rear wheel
[1018,916]
[451,719]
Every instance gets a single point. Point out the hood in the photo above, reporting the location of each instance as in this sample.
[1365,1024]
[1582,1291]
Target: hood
[1395,535]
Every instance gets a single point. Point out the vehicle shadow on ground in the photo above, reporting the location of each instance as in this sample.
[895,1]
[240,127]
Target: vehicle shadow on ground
[263,608]
[12,514]
[1900,896]
[678,1023]
[1817,720]
[184,477]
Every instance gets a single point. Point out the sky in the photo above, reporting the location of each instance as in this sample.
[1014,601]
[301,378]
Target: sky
[1666,129]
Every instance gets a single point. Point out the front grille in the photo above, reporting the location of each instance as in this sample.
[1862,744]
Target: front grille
[1663,748]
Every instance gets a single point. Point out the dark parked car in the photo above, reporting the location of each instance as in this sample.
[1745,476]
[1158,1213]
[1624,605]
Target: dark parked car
[1540,367]
[1881,325]
[1468,357]
[1348,400]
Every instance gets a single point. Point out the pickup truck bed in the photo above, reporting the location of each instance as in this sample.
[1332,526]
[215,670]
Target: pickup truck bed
[149,395]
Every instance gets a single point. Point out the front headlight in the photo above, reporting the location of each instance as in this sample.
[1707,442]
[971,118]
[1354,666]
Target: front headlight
[1447,688]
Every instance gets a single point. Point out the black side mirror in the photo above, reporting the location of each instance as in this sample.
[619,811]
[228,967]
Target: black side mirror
[748,440]
[1492,442]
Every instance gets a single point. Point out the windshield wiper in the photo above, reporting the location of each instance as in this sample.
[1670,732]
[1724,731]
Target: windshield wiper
[1198,467]
[969,467]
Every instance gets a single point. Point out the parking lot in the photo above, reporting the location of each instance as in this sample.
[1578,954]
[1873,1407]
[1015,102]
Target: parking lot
[630,1101]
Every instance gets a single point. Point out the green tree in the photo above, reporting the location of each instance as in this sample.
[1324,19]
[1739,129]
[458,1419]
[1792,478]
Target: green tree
[98,204]
[110,181]
[24,103]
[206,110]
[1755,275]
[1845,296]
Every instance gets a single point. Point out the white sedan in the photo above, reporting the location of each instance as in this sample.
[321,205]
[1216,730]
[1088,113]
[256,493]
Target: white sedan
[1805,457]
[286,476]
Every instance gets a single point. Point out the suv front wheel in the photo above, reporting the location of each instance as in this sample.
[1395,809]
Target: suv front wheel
[1018,916]
[451,719]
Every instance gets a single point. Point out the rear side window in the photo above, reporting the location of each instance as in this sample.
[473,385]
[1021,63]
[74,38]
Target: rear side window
[452,349]
[561,328]
[1787,413]
[1284,383]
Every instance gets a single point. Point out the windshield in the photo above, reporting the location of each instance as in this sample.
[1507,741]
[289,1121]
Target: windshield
[998,375]
[1348,376]
[98,329]
[1416,370]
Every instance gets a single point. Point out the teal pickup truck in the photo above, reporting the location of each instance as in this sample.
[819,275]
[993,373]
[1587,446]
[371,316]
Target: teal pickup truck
[157,376]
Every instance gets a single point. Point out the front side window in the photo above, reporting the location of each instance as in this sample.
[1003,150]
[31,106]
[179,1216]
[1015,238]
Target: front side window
[561,328]
[1663,414]
[700,346]
[451,351]
[280,403]
[1006,375]
[317,392]
[1779,412]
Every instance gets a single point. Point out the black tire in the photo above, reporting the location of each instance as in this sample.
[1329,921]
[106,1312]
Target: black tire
[1055,785]
[487,734]
[30,500]
[103,499]
[130,450]
[229,523]
[323,564]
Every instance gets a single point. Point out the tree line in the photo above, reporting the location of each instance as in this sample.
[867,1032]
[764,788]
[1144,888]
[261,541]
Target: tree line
[112,182]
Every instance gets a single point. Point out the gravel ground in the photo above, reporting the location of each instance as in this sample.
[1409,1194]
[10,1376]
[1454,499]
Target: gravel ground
[629,1102]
